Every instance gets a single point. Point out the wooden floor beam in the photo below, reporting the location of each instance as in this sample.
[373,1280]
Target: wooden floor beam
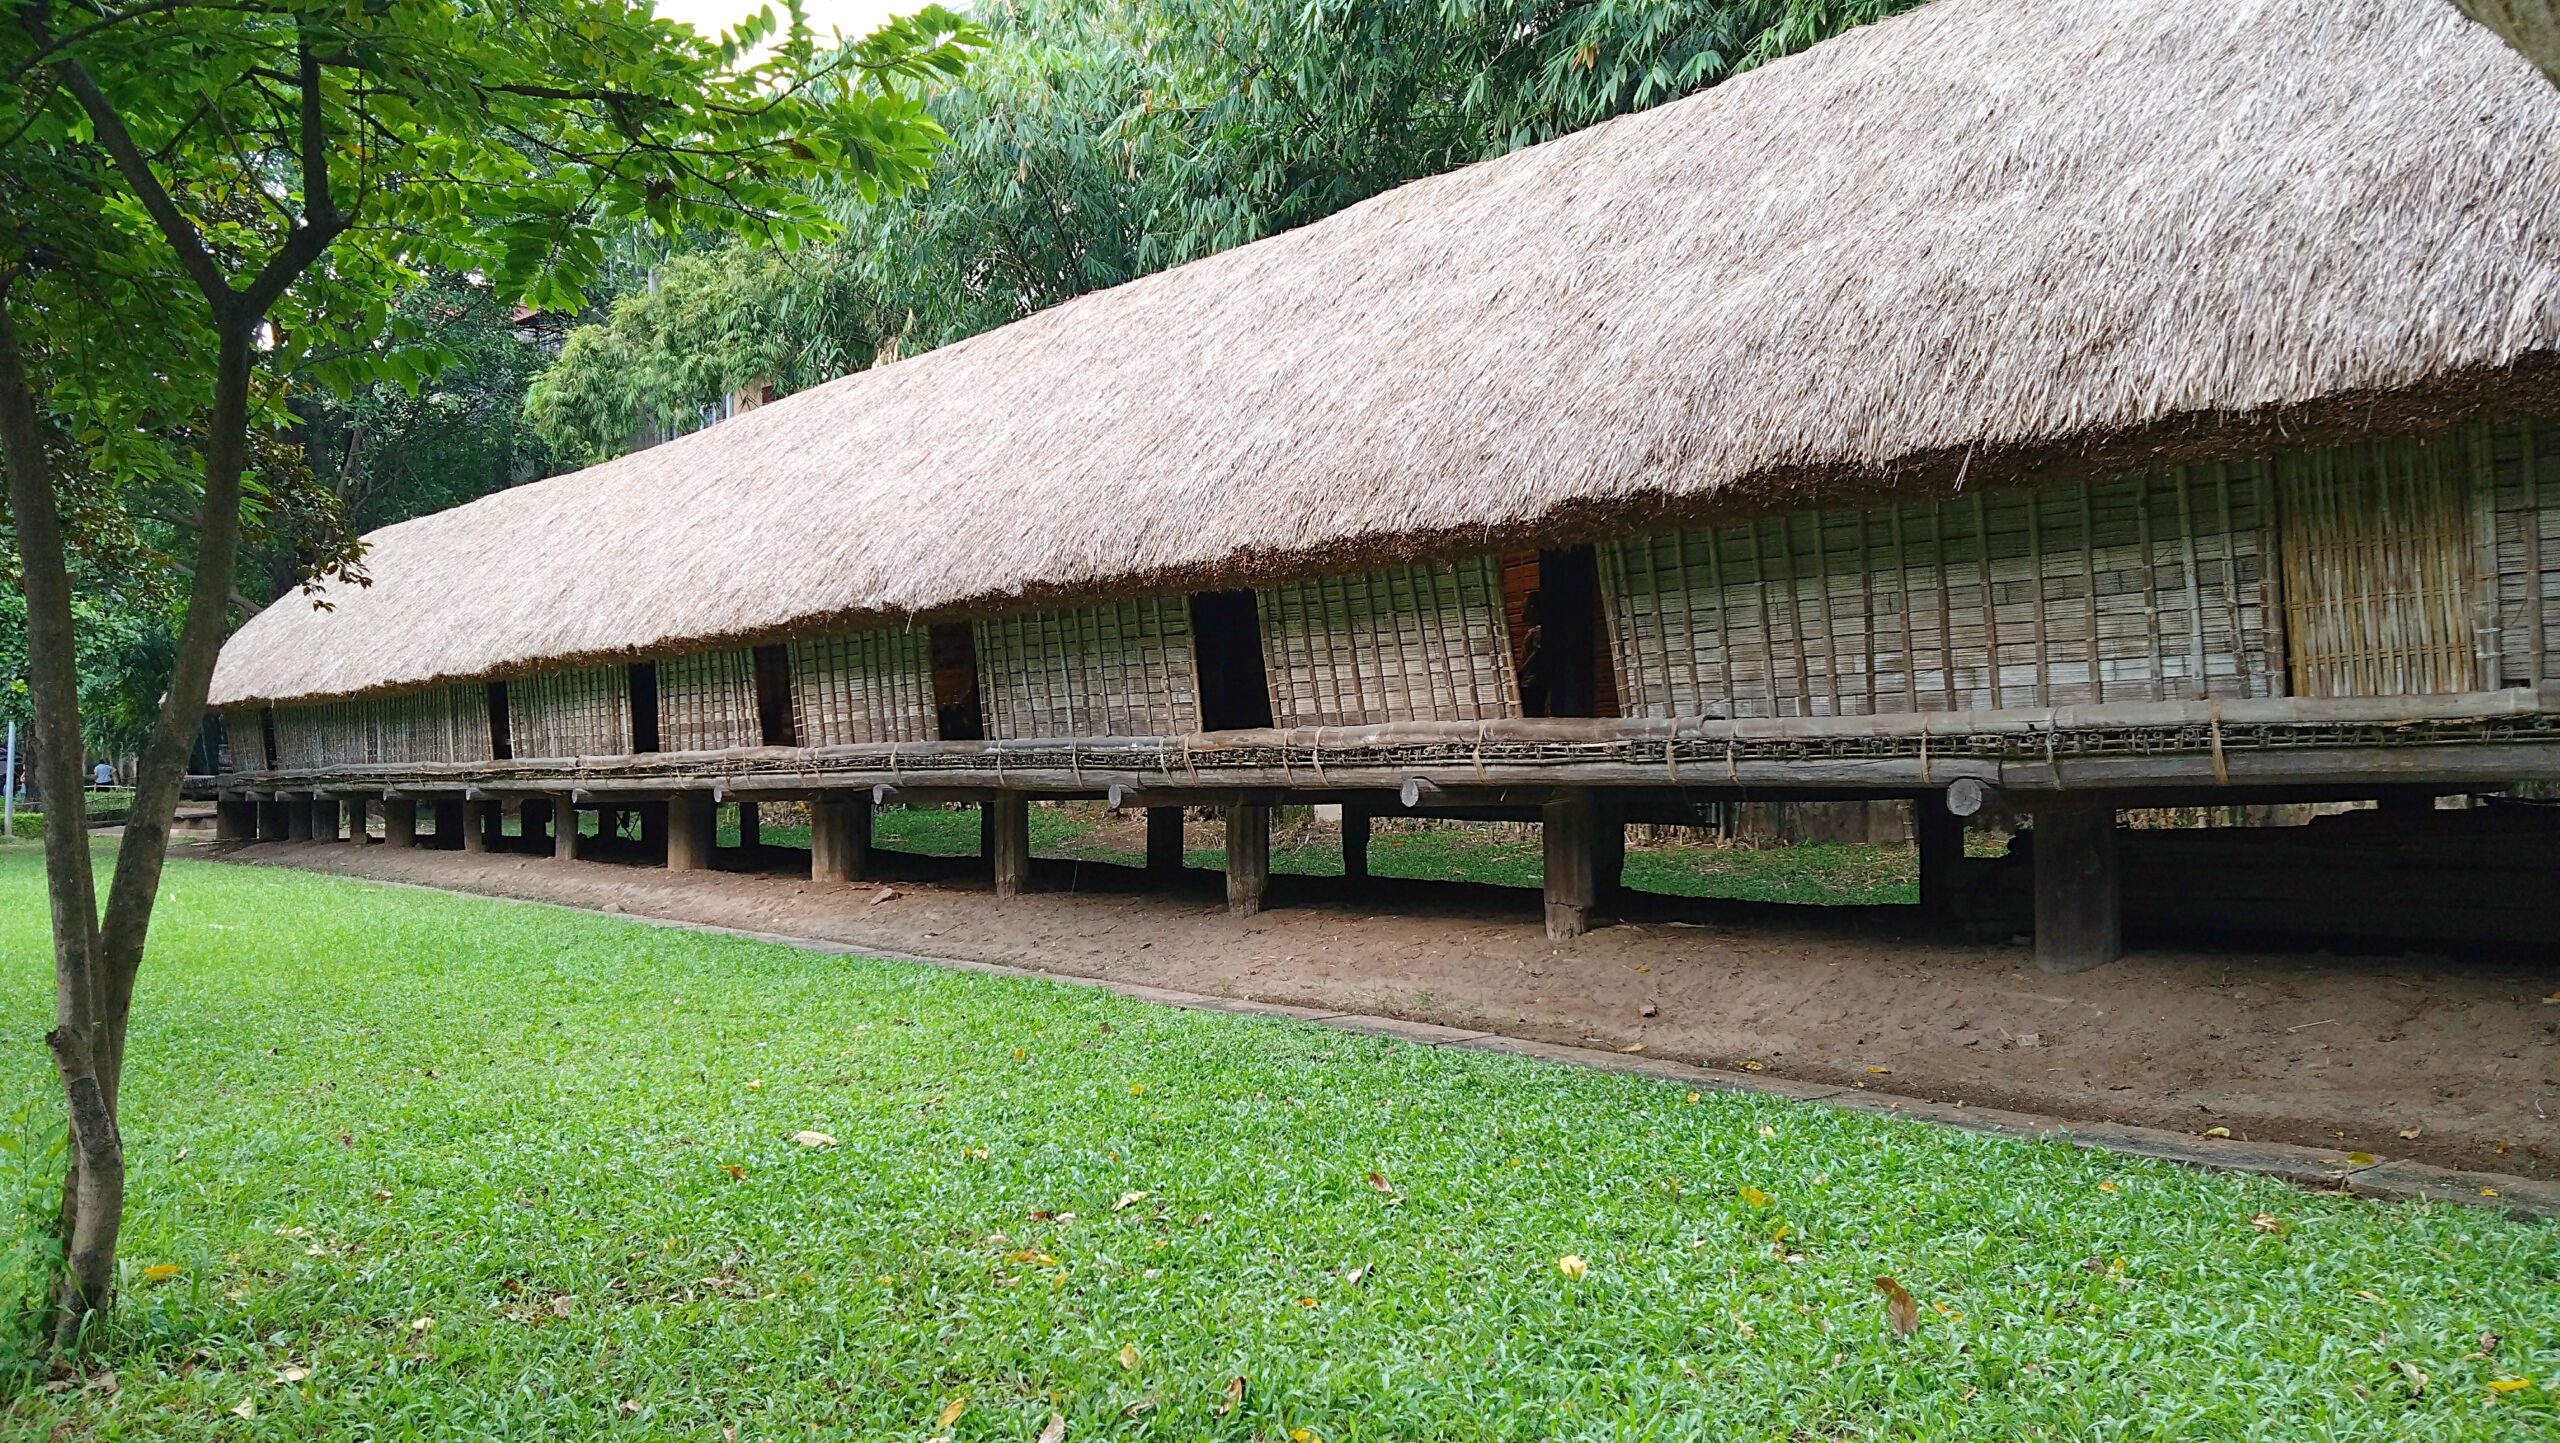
[2079,901]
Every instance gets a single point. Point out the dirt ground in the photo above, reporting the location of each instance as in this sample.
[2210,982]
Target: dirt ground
[2344,1052]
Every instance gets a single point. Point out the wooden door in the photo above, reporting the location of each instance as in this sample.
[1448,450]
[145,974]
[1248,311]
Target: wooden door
[2380,576]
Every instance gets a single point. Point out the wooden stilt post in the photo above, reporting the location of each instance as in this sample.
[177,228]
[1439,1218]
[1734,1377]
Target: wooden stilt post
[987,833]
[1939,834]
[1010,813]
[297,819]
[448,824]
[564,828]
[1568,828]
[840,838]
[690,831]
[235,819]
[1355,842]
[476,825]
[360,820]
[399,822]
[1248,858]
[2077,896]
[654,829]
[272,826]
[1164,841]
[324,819]
[750,828]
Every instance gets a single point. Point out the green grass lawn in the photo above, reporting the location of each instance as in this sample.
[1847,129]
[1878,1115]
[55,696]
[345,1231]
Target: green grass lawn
[1813,872]
[416,1166]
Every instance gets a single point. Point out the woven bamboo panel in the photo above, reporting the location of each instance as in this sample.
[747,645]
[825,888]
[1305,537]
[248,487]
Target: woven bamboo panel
[1122,669]
[1410,643]
[2381,569]
[2146,589]
[331,734]
[872,686]
[707,702]
[2515,466]
[447,724]
[571,713]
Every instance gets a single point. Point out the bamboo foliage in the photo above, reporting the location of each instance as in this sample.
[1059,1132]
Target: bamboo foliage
[2151,588]
[1124,668]
[571,713]
[1408,643]
[2382,580]
[870,686]
[707,702]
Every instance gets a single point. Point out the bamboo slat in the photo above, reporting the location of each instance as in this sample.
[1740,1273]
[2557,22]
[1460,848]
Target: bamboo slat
[1409,643]
[2082,593]
[1120,669]
[871,686]
[2380,581]
[571,713]
[707,702]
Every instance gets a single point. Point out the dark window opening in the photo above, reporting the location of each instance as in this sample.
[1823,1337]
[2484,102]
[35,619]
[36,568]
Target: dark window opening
[1559,633]
[644,706]
[502,737]
[1226,650]
[267,734]
[212,751]
[775,720]
[957,716]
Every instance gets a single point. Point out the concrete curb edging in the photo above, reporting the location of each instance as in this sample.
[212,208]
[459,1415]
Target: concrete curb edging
[2314,1169]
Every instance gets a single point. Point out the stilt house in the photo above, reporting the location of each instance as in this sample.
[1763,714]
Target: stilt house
[2056,405]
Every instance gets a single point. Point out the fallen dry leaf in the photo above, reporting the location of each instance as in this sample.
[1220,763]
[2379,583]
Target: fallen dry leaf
[1128,1355]
[1755,1197]
[1632,1047]
[885,894]
[2361,1159]
[2410,1134]
[1880,1071]
[2215,1132]
[1649,1010]
[2267,1223]
[1378,1183]
[951,1411]
[2417,1379]
[1235,1395]
[291,1374]
[2509,1385]
[1129,1200]
[628,1407]
[248,1407]
[1572,1266]
[1766,1130]
[1754,1064]
[1143,1405]
[735,1172]
[809,1137]
[160,1272]
[1056,1432]
[422,1324]
[1900,1308]
[755,1084]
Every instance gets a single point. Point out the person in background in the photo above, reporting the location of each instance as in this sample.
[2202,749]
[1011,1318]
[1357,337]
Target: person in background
[104,776]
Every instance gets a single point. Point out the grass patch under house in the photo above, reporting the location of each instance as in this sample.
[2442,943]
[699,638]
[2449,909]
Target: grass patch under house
[416,1166]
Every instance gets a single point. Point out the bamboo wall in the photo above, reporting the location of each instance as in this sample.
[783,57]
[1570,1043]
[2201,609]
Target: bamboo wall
[1410,643]
[2383,568]
[707,702]
[571,713]
[872,686]
[1120,669]
[2145,589]
[446,724]
[2515,465]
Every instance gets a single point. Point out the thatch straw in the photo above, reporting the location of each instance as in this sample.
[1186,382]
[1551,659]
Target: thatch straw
[1983,228]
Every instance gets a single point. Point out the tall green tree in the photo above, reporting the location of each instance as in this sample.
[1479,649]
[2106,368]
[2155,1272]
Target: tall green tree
[203,196]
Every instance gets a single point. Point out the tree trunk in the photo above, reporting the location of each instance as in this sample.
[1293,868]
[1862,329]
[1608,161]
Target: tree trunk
[93,1194]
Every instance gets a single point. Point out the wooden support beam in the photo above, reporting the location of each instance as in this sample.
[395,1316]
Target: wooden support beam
[840,838]
[2078,897]
[750,828]
[564,828]
[235,819]
[1355,842]
[690,829]
[1568,828]
[399,822]
[324,819]
[1940,835]
[479,820]
[360,820]
[1248,858]
[1164,840]
[1007,820]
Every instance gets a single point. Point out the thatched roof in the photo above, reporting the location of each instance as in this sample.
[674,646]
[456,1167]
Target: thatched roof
[1986,229]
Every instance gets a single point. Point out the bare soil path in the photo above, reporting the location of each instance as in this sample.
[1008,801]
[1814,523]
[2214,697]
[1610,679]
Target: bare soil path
[2449,1060]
